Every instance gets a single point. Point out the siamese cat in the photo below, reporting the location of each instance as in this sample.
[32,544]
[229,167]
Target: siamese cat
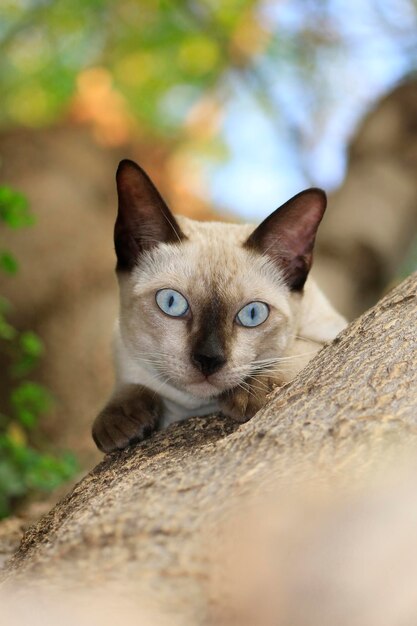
[212,316]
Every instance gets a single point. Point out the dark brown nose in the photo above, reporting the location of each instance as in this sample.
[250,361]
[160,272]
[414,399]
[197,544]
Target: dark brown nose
[208,363]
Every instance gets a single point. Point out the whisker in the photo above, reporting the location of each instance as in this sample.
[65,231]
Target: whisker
[262,389]
[172,226]
[279,359]
[153,354]
[163,380]
[272,371]
[259,385]
[308,340]
[246,388]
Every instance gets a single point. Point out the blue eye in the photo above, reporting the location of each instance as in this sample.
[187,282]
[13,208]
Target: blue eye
[171,302]
[253,314]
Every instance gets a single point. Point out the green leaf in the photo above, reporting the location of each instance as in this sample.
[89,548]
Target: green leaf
[29,400]
[11,482]
[14,210]
[5,509]
[31,348]
[5,305]
[48,471]
[7,331]
[8,263]
[4,420]
[31,344]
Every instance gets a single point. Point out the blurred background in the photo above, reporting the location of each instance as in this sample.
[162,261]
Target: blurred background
[232,106]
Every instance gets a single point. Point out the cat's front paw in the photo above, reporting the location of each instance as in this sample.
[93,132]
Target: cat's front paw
[130,416]
[241,403]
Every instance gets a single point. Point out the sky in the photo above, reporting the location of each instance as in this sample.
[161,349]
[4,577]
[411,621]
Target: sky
[265,165]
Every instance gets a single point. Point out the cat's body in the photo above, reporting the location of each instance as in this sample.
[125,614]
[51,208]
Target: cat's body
[212,315]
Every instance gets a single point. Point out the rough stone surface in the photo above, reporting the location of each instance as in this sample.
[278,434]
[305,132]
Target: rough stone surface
[151,513]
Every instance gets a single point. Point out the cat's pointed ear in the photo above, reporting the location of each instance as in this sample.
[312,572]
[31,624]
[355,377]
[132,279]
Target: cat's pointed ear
[143,218]
[287,236]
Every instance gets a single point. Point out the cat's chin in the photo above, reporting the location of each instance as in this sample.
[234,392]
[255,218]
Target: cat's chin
[203,389]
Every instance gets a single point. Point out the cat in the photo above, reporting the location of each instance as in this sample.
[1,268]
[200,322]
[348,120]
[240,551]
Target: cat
[212,315]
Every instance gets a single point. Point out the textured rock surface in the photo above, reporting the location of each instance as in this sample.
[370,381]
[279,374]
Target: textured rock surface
[151,513]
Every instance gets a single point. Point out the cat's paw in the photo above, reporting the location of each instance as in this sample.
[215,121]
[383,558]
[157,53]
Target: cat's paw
[241,403]
[129,417]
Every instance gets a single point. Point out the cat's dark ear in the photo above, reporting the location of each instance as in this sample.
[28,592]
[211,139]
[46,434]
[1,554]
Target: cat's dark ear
[287,235]
[143,218]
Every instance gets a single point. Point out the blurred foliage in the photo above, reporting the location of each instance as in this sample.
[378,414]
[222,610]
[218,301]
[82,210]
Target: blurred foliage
[173,69]
[23,468]
[163,55]
[150,47]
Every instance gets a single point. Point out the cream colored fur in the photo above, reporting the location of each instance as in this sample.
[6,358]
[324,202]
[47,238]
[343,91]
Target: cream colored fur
[150,348]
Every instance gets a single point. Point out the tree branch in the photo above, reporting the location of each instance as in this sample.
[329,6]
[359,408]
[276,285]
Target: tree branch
[145,512]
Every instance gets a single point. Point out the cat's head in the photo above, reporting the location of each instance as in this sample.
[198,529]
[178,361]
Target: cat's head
[205,305]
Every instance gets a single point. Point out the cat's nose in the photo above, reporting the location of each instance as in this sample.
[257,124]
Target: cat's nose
[208,363]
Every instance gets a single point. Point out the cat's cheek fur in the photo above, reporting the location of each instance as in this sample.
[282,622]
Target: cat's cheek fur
[150,337]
